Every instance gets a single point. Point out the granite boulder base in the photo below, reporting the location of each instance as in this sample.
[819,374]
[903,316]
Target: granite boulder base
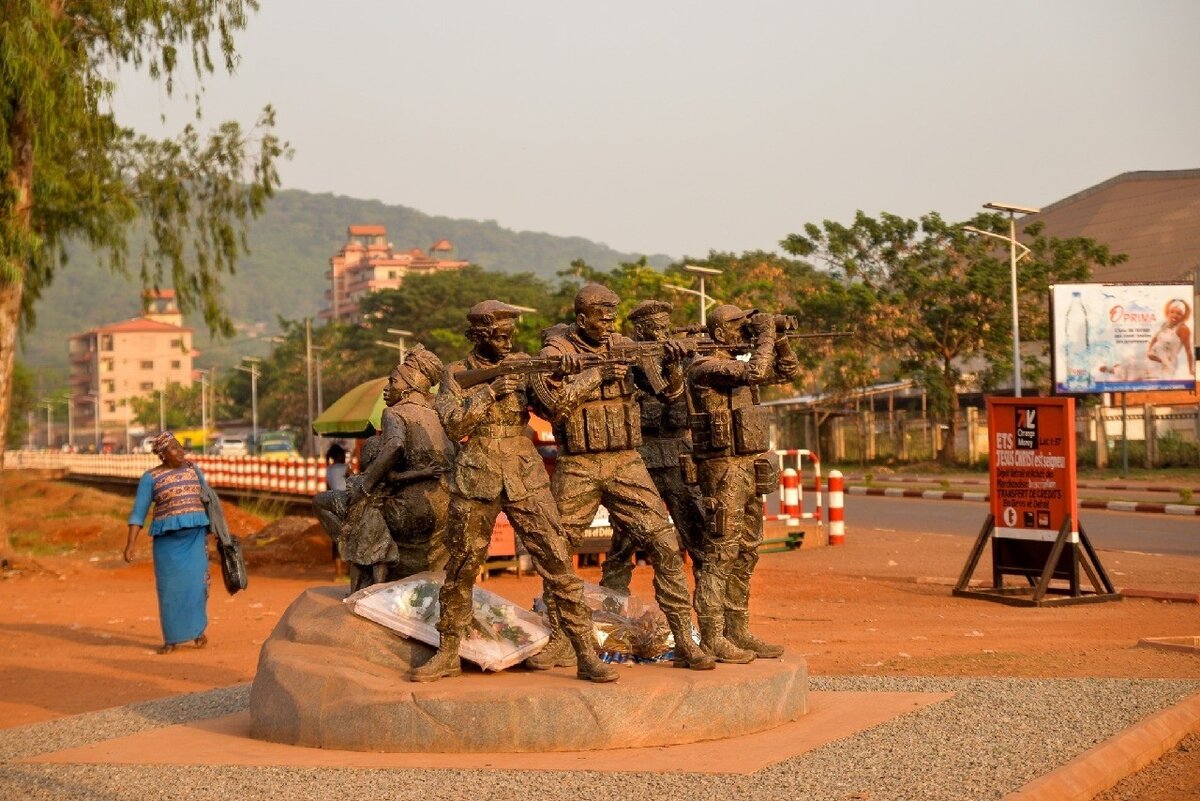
[330,679]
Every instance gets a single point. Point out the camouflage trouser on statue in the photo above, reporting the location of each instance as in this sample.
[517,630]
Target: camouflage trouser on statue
[536,521]
[731,540]
[620,481]
[687,512]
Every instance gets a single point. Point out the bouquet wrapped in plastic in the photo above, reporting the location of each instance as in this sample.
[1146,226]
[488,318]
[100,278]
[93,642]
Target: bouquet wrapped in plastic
[500,635]
[627,629]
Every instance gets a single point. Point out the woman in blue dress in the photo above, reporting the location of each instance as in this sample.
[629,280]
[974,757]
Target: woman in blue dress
[178,535]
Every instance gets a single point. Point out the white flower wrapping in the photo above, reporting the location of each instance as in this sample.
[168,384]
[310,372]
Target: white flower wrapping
[500,634]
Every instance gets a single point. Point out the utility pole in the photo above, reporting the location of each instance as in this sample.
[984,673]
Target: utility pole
[308,374]
[204,412]
[162,411]
[49,421]
[254,374]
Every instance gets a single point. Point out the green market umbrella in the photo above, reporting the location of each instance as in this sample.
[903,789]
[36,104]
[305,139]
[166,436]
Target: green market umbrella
[355,414]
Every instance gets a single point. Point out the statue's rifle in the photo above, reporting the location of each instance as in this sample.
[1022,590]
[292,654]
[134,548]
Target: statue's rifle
[538,364]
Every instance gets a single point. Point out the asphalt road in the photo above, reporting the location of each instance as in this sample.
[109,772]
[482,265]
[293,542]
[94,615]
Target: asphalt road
[1125,531]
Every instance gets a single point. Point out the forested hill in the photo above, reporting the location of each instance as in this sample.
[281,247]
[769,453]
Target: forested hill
[284,275]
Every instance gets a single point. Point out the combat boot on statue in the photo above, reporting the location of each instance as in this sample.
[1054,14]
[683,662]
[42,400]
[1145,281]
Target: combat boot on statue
[557,653]
[713,641]
[593,668]
[737,631]
[443,664]
[687,653]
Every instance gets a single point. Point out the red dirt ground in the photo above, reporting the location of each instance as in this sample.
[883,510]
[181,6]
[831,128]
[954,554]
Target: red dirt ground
[80,626]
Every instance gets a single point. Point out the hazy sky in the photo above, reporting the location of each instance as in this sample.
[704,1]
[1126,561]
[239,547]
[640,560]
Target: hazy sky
[680,127]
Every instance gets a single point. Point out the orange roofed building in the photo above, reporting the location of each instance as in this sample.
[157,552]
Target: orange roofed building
[132,358]
[368,263]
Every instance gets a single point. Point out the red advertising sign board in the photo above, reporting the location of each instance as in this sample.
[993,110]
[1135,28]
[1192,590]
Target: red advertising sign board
[1032,467]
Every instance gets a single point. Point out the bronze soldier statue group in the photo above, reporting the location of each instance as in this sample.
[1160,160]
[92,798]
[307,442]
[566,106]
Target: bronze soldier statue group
[645,426]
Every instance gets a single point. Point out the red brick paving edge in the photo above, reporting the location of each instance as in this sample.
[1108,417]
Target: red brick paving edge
[1102,766]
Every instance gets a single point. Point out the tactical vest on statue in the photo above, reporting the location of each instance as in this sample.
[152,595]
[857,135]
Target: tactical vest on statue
[664,430]
[609,418]
[728,422]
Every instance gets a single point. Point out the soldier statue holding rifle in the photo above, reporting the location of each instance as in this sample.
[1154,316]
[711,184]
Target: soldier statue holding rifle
[596,421]
[484,398]
[665,437]
[729,437]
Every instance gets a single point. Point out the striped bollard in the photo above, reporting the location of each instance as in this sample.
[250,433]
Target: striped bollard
[789,495]
[837,521]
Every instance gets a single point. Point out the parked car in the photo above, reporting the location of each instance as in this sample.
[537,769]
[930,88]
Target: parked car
[232,446]
[280,449]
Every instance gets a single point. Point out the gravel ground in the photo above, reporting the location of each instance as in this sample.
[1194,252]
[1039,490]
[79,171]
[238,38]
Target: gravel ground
[991,738]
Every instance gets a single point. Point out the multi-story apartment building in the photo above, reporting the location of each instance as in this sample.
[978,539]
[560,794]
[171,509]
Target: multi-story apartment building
[112,363]
[368,263]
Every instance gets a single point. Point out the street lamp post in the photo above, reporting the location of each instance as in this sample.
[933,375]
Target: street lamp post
[162,411]
[204,412]
[49,404]
[401,333]
[1013,211]
[254,374]
[702,271]
[95,399]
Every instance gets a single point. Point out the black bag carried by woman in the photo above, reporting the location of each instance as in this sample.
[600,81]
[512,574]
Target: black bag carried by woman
[229,547]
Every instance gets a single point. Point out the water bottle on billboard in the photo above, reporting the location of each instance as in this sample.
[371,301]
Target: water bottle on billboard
[1077,343]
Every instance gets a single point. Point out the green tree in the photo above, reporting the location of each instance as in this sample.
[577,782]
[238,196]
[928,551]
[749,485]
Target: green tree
[180,407]
[23,402]
[69,169]
[936,297]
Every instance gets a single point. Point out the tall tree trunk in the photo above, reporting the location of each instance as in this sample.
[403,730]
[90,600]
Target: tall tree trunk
[18,181]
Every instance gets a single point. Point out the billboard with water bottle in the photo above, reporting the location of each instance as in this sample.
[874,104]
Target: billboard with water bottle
[1122,337]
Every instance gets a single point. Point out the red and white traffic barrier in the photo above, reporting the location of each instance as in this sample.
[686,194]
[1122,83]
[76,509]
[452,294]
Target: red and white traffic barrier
[837,520]
[791,487]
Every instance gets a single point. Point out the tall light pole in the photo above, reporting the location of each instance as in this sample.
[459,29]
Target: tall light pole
[1013,211]
[702,271]
[401,333]
[70,401]
[162,411]
[49,404]
[95,399]
[254,374]
[204,411]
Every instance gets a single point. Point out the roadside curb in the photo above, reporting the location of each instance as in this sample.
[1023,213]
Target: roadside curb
[1103,765]
[951,495]
[1161,595]
[903,479]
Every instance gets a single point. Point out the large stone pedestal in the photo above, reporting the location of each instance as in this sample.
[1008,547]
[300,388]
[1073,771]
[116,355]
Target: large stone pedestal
[330,679]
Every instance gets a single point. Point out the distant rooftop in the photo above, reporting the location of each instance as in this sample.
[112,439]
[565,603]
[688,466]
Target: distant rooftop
[1153,217]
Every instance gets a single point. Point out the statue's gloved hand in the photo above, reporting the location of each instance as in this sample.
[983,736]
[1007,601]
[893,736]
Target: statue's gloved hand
[674,350]
[506,384]
[613,371]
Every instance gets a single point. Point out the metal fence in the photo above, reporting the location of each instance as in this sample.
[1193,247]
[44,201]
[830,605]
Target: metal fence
[1141,436]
